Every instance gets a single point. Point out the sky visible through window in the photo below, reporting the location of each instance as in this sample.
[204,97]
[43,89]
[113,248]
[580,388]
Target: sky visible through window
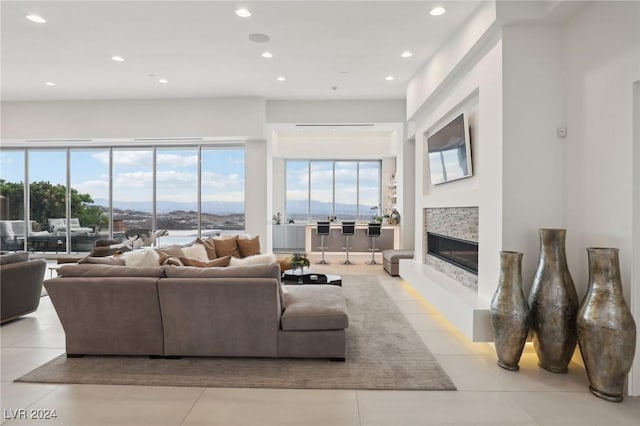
[353,185]
[177,175]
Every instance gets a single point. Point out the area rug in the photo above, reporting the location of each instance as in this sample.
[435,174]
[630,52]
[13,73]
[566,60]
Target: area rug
[383,352]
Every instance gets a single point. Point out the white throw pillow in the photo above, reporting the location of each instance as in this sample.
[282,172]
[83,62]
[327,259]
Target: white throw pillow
[197,252]
[258,259]
[142,258]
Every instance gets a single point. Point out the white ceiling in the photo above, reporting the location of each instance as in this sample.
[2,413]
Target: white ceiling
[202,48]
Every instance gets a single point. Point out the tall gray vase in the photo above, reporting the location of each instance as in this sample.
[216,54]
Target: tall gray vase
[606,329]
[509,312]
[553,304]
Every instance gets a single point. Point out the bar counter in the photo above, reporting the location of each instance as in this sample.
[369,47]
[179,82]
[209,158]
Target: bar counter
[359,242]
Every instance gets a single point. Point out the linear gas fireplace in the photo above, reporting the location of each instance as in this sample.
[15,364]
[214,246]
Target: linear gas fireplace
[461,253]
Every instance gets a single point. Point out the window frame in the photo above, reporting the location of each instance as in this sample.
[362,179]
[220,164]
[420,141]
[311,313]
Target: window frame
[154,144]
[360,215]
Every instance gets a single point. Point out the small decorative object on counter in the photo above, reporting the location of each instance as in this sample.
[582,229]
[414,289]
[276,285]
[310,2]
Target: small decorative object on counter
[394,217]
[606,329]
[509,312]
[277,218]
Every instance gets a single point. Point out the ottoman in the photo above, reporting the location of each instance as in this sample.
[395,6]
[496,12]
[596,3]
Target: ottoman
[313,322]
[391,260]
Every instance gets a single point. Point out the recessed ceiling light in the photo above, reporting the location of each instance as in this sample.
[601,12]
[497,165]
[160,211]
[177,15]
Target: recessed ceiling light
[259,38]
[163,81]
[243,13]
[117,58]
[267,55]
[281,78]
[50,83]
[36,18]
[389,78]
[406,54]
[437,11]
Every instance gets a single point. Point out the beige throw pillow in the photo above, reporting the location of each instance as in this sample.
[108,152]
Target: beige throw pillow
[196,251]
[209,246]
[142,258]
[258,259]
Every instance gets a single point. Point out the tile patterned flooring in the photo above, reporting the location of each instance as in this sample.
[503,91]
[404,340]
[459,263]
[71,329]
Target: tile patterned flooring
[487,395]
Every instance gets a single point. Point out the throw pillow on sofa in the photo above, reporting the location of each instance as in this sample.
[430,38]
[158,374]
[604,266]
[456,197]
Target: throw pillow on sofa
[196,251]
[209,246]
[249,247]
[219,262]
[142,258]
[258,259]
[227,246]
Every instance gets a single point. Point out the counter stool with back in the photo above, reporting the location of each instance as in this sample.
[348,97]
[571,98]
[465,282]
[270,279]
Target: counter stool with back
[322,229]
[348,230]
[374,230]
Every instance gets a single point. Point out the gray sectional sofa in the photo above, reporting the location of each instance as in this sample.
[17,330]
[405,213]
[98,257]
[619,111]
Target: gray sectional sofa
[187,311]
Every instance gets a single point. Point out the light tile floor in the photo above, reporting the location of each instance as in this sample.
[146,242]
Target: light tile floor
[487,394]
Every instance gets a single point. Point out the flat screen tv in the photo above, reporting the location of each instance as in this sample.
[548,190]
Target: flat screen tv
[450,152]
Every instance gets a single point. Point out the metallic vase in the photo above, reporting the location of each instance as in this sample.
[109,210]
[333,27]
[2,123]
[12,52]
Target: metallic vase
[509,311]
[553,304]
[606,329]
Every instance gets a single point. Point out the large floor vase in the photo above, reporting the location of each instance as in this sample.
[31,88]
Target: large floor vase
[606,329]
[509,312]
[553,304]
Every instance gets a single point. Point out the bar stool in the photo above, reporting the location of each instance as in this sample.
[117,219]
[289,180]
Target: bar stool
[322,229]
[348,230]
[373,231]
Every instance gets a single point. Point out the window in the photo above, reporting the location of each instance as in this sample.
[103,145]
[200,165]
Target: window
[320,190]
[132,190]
[111,190]
[177,194]
[222,190]
[11,199]
[350,190]
[47,227]
[89,190]
[297,183]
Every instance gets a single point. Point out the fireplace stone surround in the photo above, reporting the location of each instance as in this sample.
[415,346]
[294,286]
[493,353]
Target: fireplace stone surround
[458,223]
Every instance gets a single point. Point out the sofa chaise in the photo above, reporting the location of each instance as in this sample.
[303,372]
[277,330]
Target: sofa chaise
[173,311]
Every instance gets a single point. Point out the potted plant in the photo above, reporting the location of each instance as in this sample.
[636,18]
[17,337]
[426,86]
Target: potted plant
[299,260]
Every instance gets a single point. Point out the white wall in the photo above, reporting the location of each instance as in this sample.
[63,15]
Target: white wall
[444,64]
[533,154]
[215,117]
[602,58]
[335,147]
[257,211]
[346,111]
[479,94]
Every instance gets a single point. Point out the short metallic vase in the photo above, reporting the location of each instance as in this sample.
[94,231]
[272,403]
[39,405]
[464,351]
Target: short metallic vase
[553,304]
[509,312]
[606,329]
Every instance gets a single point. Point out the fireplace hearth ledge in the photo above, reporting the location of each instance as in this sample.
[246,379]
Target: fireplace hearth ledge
[459,304]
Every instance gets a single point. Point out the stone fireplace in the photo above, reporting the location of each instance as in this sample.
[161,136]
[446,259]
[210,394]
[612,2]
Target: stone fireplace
[451,243]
